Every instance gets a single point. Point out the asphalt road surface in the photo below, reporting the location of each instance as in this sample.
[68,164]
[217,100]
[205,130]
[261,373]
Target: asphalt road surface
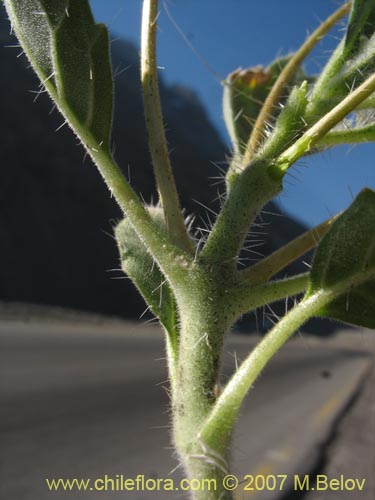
[82,401]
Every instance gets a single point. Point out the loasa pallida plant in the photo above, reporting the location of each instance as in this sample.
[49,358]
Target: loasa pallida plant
[275,116]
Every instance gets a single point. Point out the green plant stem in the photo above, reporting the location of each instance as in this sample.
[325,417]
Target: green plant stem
[284,78]
[251,190]
[312,136]
[263,270]
[171,350]
[247,297]
[204,319]
[155,127]
[208,306]
[349,136]
[172,260]
[204,467]
[321,100]
[368,103]
[217,429]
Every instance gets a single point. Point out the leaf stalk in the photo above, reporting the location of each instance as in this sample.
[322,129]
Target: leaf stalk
[284,78]
[263,270]
[156,133]
[313,135]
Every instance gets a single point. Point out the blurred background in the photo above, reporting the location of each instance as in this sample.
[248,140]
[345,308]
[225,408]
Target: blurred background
[56,217]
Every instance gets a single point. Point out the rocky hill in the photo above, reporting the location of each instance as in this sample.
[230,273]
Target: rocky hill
[56,216]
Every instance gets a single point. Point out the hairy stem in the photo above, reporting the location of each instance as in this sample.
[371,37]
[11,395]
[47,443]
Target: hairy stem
[284,78]
[218,426]
[349,136]
[204,320]
[263,270]
[317,106]
[312,136]
[155,127]
[126,198]
[247,297]
[252,189]
[172,260]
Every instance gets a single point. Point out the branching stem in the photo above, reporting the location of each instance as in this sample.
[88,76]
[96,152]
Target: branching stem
[218,426]
[165,253]
[284,78]
[162,249]
[313,135]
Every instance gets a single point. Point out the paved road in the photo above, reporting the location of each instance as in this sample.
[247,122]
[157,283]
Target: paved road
[78,401]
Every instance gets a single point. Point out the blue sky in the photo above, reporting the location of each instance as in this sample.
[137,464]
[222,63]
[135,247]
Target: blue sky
[232,33]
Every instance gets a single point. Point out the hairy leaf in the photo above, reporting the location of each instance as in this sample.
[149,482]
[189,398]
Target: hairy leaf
[70,54]
[350,65]
[345,263]
[361,26]
[139,265]
[290,123]
[244,94]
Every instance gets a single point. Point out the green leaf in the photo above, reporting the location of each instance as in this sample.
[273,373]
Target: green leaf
[356,308]
[70,54]
[361,26]
[244,94]
[139,265]
[344,263]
